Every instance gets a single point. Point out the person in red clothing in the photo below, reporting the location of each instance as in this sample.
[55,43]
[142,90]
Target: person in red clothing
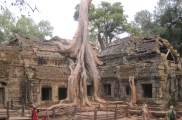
[34,113]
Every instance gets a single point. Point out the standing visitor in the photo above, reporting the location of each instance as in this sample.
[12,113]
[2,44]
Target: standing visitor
[34,113]
[148,114]
[171,114]
[144,111]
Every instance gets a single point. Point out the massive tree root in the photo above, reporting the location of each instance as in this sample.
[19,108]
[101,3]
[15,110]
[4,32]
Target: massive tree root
[83,61]
[133,89]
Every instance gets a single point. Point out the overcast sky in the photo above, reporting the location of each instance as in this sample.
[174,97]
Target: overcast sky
[60,12]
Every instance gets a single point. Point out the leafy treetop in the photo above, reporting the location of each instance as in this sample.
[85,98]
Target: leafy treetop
[23,25]
[106,21]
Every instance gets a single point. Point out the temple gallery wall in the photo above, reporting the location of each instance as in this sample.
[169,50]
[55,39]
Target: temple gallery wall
[35,71]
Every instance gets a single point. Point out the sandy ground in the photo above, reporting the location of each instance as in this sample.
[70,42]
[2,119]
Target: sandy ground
[70,118]
[65,117]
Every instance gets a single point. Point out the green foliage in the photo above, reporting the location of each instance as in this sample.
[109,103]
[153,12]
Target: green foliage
[45,29]
[145,24]
[26,26]
[6,24]
[166,21]
[133,29]
[143,19]
[106,21]
[169,16]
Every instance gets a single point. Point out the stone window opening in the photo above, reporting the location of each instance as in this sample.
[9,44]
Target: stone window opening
[3,83]
[107,89]
[46,93]
[128,90]
[2,96]
[147,90]
[90,90]
[62,93]
[41,61]
[170,56]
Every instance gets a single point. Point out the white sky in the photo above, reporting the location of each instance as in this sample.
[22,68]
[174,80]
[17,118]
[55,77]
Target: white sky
[60,12]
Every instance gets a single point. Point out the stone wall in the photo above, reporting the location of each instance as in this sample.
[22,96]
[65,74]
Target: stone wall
[45,69]
[11,74]
[153,62]
[35,71]
[29,67]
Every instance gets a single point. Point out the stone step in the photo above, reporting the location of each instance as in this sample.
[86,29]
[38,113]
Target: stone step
[19,118]
[154,113]
[3,112]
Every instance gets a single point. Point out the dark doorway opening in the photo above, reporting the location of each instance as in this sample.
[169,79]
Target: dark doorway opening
[147,90]
[170,57]
[62,93]
[89,90]
[107,89]
[128,90]
[46,93]
[2,96]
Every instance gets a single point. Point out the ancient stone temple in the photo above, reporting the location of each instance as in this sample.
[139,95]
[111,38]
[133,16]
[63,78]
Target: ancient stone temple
[32,71]
[35,71]
[154,63]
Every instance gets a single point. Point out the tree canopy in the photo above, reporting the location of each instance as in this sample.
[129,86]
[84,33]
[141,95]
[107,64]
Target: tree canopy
[166,21]
[106,21]
[23,25]
[145,24]
[169,16]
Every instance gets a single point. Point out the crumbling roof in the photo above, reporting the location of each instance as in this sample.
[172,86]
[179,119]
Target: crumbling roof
[38,48]
[28,43]
[131,45]
[137,45]
[140,71]
[141,57]
[116,47]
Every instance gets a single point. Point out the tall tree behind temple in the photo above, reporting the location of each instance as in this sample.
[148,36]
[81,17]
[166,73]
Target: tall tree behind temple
[6,25]
[28,27]
[23,25]
[168,14]
[107,21]
[145,23]
[166,21]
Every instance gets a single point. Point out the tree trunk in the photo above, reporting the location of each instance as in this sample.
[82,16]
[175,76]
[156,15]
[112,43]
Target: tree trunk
[101,42]
[133,89]
[86,60]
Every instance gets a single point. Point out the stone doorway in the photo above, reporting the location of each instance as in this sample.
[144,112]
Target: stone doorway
[62,93]
[46,93]
[107,89]
[128,90]
[2,97]
[147,90]
[90,90]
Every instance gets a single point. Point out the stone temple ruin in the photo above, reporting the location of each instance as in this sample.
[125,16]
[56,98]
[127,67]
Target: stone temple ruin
[35,71]
[154,63]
